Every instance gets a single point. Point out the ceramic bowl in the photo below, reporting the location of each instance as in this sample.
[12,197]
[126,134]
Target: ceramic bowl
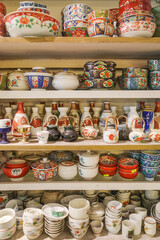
[26,23]
[136,155]
[75,32]
[32,232]
[5,123]
[67,170]
[105,74]
[16,163]
[133,83]
[31,3]
[128,175]
[59,156]
[149,163]
[7,219]
[100,83]
[8,233]
[151,155]
[88,173]
[79,224]
[154,83]
[55,211]
[65,200]
[99,65]
[3,82]
[33,9]
[114,206]
[107,160]
[154,74]
[128,163]
[154,65]
[137,29]
[133,72]
[32,216]
[106,173]
[128,170]
[100,14]
[109,169]
[74,23]
[149,172]
[78,7]
[79,208]
[19,220]
[134,6]
[124,2]
[137,17]
[102,29]
[15,172]
[78,233]
[89,158]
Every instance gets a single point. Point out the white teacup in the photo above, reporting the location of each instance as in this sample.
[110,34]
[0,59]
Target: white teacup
[4,123]
[97,227]
[42,137]
[137,219]
[141,211]
[79,208]
[128,229]
[150,226]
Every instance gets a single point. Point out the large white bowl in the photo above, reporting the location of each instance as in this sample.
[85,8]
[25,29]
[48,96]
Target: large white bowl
[65,200]
[49,208]
[7,218]
[88,173]
[31,24]
[78,233]
[32,232]
[8,233]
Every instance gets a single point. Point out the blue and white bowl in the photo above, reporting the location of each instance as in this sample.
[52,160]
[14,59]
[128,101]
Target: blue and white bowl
[32,3]
[149,172]
[136,155]
[149,163]
[151,155]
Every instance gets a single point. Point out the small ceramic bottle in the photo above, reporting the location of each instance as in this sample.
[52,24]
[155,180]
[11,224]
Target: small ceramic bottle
[96,116]
[20,118]
[105,114]
[63,114]
[55,109]
[91,105]
[40,110]
[35,122]
[147,115]
[131,115]
[61,104]
[85,114]
[78,109]
[114,111]
[75,115]
[157,114]
[141,107]
[8,115]
[48,118]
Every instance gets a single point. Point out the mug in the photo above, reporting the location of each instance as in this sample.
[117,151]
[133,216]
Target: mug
[128,229]
[150,226]
[142,212]
[137,219]
[42,136]
[79,208]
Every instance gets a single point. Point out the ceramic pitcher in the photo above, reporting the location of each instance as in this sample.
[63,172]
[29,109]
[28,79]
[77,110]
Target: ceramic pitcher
[137,134]
[111,135]
[155,133]
[123,128]
[89,132]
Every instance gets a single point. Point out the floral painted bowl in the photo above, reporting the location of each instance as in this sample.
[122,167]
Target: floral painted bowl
[154,65]
[74,23]
[78,233]
[136,83]
[100,83]
[125,2]
[31,24]
[151,155]
[76,8]
[75,32]
[107,161]
[106,173]
[154,83]
[31,3]
[105,74]
[149,163]
[100,29]
[128,170]
[128,163]
[100,14]
[149,172]
[133,13]
[100,65]
[154,74]
[134,6]
[136,155]
[35,9]
[132,72]
[133,18]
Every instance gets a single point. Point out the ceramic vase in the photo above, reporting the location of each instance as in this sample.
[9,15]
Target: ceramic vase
[157,114]
[85,114]
[147,115]
[48,119]
[78,109]
[96,116]
[8,115]
[91,105]
[20,118]
[55,109]
[114,111]
[74,113]
[63,114]
[40,110]
[132,115]
[35,122]
[105,114]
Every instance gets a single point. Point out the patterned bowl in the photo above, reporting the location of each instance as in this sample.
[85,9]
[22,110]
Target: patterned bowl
[125,2]
[135,6]
[128,170]
[141,17]
[72,9]
[128,175]
[100,14]
[35,24]
[100,65]
[136,155]
[151,155]
[75,32]
[105,74]
[107,161]
[15,172]
[134,72]
[128,163]
[154,74]
[137,83]
[154,83]
[30,4]
[106,173]
[149,163]
[100,29]
[101,83]
[33,9]
[154,65]
[149,172]
[74,23]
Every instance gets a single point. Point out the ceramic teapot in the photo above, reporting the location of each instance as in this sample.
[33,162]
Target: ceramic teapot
[123,128]
[155,133]
[137,134]
[111,135]
[54,133]
[17,81]
[89,132]
[69,134]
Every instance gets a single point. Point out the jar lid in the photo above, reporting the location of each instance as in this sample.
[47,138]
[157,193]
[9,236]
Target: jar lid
[65,73]
[89,154]
[68,163]
[44,164]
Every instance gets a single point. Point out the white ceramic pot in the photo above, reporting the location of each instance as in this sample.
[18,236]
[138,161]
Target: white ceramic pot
[150,226]
[141,211]
[65,81]
[137,134]
[89,158]
[88,173]
[79,224]
[17,81]
[67,170]
[32,216]
[32,232]
[7,218]
[97,227]
[128,229]
[79,208]
[8,233]
[43,137]
[137,219]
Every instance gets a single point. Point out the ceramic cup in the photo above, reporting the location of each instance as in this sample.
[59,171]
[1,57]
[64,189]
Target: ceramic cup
[42,136]
[79,208]
[142,212]
[150,226]
[137,219]
[128,229]
[4,123]
[97,227]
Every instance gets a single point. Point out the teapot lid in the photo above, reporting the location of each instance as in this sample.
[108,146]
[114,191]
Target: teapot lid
[89,154]
[44,164]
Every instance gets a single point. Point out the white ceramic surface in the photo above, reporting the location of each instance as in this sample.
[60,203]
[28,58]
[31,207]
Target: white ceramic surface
[89,158]
[137,219]
[150,226]
[79,208]
[67,170]
[128,229]
[43,137]
[88,173]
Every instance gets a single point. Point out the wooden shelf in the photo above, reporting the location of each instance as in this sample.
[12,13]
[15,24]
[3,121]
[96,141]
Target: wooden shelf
[83,47]
[79,145]
[79,94]
[98,183]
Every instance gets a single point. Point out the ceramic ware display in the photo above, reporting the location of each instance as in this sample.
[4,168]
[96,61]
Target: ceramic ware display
[35,122]
[89,158]
[79,224]
[62,118]
[155,133]
[123,128]
[24,130]
[17,81]
[137,134]
[97,227]
[74,113]
[5,127]
[128,229]
[69,134]
[111,135]
[105,114]
[60,156]
[43,137]
[85,115]
[150,226]
[79,208]
[133,83]
[87,173]
[67,170]
[8,223]
[89,132]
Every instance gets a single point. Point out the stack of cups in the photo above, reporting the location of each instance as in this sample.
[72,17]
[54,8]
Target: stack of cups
[113,217]
[32,222]
[78,221]
[123,197]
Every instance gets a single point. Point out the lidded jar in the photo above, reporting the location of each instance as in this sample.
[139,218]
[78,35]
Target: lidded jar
[67,170]
[17,80]
[89,158]
[65,80]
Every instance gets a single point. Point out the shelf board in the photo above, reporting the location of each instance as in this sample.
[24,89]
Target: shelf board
[82,47]
[100,182]
[80,94]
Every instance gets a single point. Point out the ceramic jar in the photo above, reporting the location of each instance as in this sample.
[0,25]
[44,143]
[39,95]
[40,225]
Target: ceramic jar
[69,134]
[35,122]
[20,118]
[62,118]
[60,156]
[54,133]
[67,170]
[89,158]
[128,229]
[97,210]
[89,132]
[111,135]
[105,114]
[49,118]
[79,208]
[88,173]
[137,134]
[65,80]
[17,81]
[3,81]
[123,129]
[150,226]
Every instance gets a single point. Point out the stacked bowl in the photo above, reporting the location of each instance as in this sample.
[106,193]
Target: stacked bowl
[100,74]
[135,19]
[54,215]
[2,24]
[128,168]
[7,223]
[156,13]
[154,74]
[150,161]
[155,213]
[123,197]
[134,79]
[100,23]
[107,165]
[74,20]
[32,223]
[32,21]
[78,221]
[113,217]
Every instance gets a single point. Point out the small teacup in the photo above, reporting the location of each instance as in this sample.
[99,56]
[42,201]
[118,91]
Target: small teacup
[137,219]
[42,137]
[150,226]
[4,123]
[97,227]
[142,212]
[128,229]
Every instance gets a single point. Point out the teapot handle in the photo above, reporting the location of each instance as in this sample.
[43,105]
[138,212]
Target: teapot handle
[89,118]
[156,119]
[135,120]
[74,121]
[122,116]
[51,117]
[114,122]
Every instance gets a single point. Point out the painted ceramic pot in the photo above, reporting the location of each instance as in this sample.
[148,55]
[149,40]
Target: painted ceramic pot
[17,81]
[133,18]
[106,74]
[149,172]
[128,175]
[154,134]
[26,23]
[75,32]
[107,160]
[100,14]
[31,3]
[33,9]
[82,80]
[123,129]
[151,155]
[154,65]
[132,72]
[154,74]
[133,83]
[54,133]
[77,7]
[38,80]
[154,83]
[125,2]
[111,135]
[44,170]
[137,134]
[61,156]
[3,81]
[100,65]
[101,29]
[77,16]
[100,83]
[89,132]
[74,23]
[134,6]
[148,163]
[137,29]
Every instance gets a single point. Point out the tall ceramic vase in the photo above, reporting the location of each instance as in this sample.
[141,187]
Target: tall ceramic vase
[20,118]
[8,115]
[40,110]
[55,109]
[85,114]
[63,114]
[35,122]
[131,115]
[105,114]
[74,113]
[96,116]
[48,119]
